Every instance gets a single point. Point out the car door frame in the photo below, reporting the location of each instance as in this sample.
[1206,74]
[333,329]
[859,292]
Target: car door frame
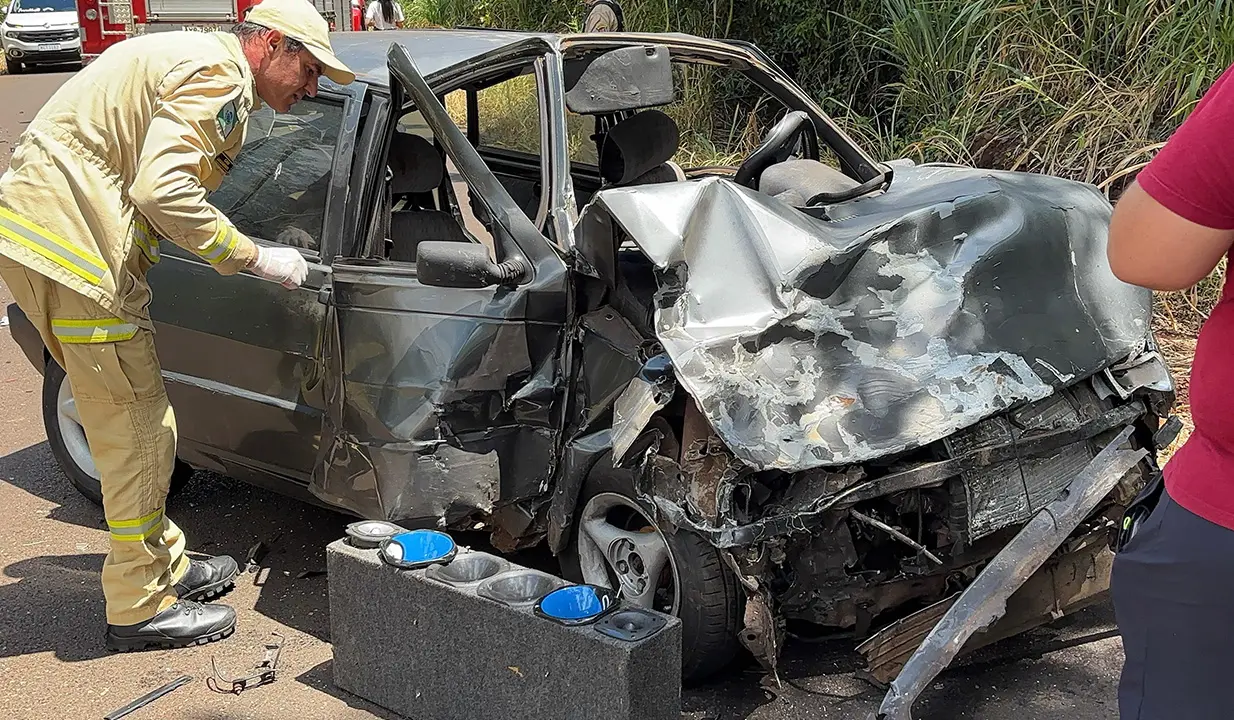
[364,465]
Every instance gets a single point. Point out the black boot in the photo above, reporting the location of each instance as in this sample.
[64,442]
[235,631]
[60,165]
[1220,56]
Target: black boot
[207,579]
[184,624]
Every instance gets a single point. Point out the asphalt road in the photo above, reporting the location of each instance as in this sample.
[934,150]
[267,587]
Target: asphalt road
[52,545]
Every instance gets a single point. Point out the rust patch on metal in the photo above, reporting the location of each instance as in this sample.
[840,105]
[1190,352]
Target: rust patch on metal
[706,463]
[761,635]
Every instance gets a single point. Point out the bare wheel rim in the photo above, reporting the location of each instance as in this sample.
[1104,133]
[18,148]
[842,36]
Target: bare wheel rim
[72,432]
[620,548]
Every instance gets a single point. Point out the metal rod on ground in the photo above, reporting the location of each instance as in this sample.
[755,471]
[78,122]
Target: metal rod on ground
[148,698]
[985,600]
[895,534]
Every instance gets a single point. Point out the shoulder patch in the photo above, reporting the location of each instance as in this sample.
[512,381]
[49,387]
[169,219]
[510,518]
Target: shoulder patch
[227,119]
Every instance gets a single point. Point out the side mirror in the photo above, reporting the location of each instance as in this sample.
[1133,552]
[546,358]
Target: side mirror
[446,263]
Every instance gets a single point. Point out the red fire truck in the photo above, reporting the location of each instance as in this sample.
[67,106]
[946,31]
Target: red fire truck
[107,22]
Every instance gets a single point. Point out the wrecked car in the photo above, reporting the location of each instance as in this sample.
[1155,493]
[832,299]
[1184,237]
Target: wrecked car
[782,389]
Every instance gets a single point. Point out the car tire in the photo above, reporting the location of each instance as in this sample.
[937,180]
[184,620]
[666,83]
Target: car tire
[710,600]
[15,67]
[67,440]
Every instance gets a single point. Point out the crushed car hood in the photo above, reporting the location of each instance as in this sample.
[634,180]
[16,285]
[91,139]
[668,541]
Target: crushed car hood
[885,323]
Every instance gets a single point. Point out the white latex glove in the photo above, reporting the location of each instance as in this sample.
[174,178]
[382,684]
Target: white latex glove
[284,265]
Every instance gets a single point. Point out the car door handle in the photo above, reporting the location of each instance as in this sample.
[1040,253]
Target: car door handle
[324,294]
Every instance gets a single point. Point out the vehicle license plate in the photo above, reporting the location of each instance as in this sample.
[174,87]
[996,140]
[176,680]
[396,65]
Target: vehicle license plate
[49,47]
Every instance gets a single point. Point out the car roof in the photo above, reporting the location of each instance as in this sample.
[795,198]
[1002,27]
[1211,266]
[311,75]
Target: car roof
[433,49]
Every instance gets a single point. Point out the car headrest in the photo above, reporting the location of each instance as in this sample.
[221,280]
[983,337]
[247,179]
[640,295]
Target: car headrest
[638,144]
[415,164]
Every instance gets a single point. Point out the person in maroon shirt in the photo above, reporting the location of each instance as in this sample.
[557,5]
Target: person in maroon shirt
[1173,582]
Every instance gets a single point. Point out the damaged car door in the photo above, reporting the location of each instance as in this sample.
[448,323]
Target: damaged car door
[442,354]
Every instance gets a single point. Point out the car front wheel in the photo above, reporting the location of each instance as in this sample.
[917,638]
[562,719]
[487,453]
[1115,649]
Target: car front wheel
[615,543]
[67,438]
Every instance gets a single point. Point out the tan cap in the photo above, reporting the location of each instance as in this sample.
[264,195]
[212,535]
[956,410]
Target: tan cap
[298,19]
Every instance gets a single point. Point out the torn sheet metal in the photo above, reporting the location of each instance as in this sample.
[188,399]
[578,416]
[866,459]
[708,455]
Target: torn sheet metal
[433,416]
[884,323]
[985,600]
[647,394]
[581,454]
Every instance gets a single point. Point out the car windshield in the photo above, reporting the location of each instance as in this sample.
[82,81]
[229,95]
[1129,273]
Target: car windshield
[33,6]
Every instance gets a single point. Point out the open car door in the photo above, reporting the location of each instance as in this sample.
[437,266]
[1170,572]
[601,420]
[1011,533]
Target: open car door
[442,375]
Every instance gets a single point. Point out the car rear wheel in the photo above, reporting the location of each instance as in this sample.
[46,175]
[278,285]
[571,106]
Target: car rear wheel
[615,543]
[67,438]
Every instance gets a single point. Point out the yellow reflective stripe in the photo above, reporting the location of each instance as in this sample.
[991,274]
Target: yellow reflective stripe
[136,530]
[147,241]
[135,523]
[221,247]
[85,265]
[76,332]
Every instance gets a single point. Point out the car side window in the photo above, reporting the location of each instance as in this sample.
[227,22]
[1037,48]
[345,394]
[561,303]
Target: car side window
[430,200]
[509,115]
[279,182]
[720,113]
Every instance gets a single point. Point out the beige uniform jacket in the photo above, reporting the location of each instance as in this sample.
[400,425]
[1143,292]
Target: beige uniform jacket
[131,143]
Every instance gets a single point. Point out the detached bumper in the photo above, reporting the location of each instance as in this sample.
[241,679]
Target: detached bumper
[985,600]
[26,336]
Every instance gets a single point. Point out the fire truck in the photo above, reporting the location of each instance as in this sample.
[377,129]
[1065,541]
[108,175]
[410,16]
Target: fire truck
[104,23]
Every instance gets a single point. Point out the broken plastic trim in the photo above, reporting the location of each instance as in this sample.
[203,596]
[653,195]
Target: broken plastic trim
[985,600]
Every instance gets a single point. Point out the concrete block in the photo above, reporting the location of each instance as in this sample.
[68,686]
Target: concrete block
[462,641]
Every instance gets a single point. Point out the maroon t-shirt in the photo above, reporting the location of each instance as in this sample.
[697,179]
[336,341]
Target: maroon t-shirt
[1193,176]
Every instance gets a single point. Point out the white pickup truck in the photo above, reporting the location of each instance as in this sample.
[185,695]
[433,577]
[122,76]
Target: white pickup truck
[37,32]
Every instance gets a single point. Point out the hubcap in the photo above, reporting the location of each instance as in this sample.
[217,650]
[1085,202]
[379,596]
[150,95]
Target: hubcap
[621,549]
[72,432]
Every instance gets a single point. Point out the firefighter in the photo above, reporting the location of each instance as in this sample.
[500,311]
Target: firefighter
[603,16]
[123,155]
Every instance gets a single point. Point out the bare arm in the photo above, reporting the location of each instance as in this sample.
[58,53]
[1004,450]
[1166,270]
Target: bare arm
[1176,221]
[1153,247]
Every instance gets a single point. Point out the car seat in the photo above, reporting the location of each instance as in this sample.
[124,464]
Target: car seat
[416,169]
[639,150]
[804,182]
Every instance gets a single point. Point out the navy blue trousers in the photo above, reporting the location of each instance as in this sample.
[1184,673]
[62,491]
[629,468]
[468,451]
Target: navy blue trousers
[1173,590]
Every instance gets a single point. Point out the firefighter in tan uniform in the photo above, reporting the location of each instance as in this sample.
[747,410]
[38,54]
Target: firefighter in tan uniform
[122,156]
[603,16]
